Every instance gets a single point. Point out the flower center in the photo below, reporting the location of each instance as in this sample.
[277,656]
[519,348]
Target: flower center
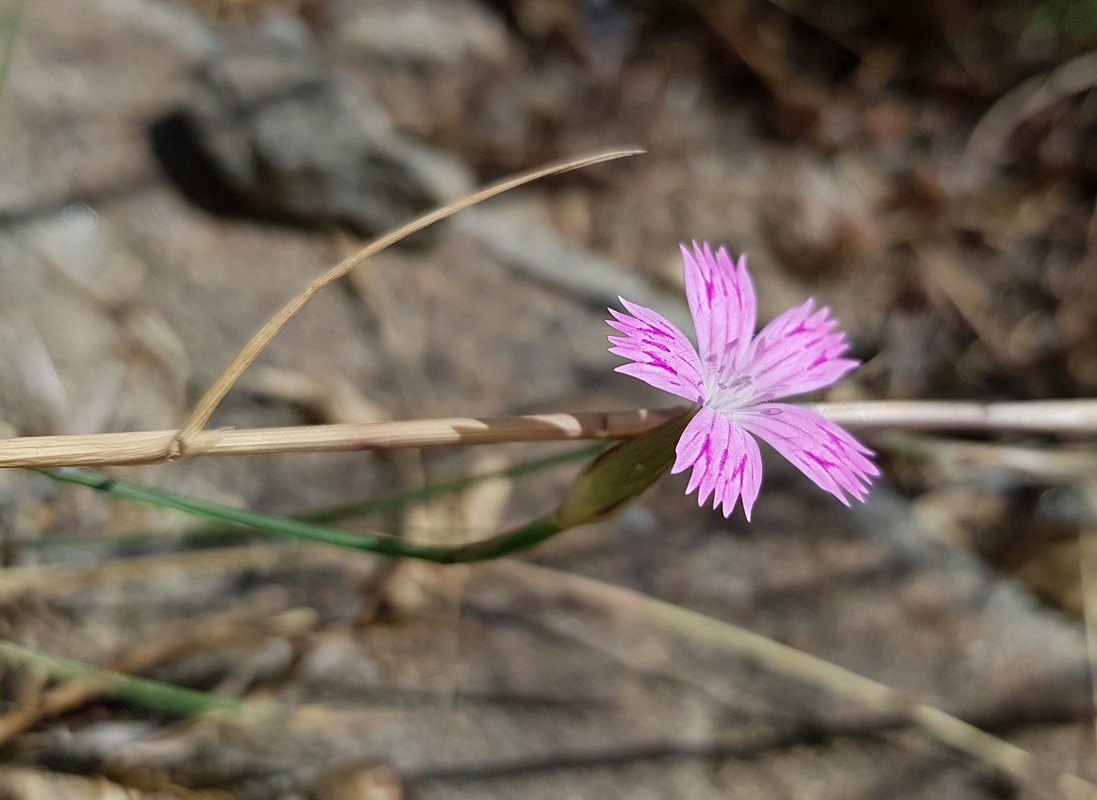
[730,396]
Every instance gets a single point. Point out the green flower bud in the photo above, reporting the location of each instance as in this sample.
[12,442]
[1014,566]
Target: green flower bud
[621,474]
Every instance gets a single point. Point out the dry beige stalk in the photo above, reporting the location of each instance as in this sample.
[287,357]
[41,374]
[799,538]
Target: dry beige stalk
[63,698]
[152,447]
[622,618]
[1061,417]
[184,440]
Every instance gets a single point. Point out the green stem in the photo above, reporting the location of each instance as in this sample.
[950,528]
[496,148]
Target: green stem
[398,500]
[219,534]
[512,541]
[162,697]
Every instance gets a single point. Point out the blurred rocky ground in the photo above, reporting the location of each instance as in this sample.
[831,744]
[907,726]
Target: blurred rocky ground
[172,172]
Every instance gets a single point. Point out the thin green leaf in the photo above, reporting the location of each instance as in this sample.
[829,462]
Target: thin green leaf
[503,544]
[222,535]
[398,500]
[153,695]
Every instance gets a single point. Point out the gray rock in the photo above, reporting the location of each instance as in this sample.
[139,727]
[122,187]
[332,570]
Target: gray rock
[297,143]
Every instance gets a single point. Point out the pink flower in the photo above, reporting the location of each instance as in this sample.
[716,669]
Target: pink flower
[735,379]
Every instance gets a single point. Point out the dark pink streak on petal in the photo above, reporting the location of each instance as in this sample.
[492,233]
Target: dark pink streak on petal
[798,352]
[723,304]
[818,447]
[726,461]
[662,355]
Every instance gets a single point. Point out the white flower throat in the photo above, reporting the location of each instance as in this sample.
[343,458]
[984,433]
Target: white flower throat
[727,390]
[726,397]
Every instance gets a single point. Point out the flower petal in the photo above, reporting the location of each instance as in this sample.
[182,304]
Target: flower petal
[662,354]
[725,459]
[723,304]
[816,446]
[797,353]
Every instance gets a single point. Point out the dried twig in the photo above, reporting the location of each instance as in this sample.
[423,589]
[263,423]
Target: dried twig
[183,442]
[1061,417]
[150,447]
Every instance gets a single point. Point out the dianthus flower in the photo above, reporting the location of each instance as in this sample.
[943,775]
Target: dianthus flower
[736,376]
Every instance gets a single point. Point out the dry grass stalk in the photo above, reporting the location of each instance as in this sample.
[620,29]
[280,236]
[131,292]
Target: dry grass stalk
[632,617]
[151,447]
[184,440]
[50,703]
[1062,417]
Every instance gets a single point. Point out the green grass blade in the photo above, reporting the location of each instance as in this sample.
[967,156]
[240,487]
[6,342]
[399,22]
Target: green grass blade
[153,695]
[398,500]
[609,483]
[223,535]
[526,536]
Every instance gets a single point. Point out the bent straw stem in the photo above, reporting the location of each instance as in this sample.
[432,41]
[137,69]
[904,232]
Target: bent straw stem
[149,447]
[183,441]
[1061,417]
[1067,417]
